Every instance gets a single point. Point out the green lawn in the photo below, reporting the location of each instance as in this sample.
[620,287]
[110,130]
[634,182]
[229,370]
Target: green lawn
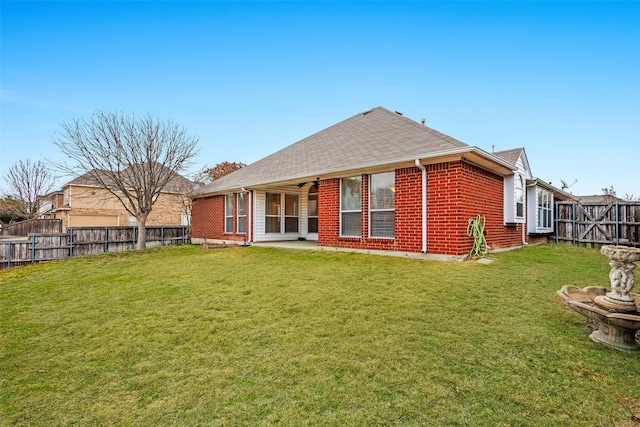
[257,336]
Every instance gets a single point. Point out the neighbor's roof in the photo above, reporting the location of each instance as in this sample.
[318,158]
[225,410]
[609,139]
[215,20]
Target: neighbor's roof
[177,183]
[374,137]
[599,198]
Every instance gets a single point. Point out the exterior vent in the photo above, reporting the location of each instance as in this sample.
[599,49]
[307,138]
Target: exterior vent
[365,111]
[398,112]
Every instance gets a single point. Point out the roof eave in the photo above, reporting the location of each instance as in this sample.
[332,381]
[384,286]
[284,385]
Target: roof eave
[541,183]
[469,154]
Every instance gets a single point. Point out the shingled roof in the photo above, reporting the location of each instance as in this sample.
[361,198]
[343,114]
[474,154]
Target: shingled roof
[510,156]
[371,138]
[177,183]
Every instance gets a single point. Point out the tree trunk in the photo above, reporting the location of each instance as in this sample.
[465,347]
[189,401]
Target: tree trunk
[142,234]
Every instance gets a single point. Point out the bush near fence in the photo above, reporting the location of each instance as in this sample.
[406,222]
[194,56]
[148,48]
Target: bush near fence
[81,241]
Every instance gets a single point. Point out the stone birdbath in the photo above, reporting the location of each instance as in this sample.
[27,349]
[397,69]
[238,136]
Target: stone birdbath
[614,310]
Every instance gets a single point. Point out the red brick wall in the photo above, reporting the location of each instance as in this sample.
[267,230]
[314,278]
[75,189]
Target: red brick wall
[485,196]
[456,191]
[207,219]
[409,209]
[445,229]
[408,215]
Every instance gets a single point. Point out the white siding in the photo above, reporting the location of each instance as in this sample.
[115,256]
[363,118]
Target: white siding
[260,235]
[509,193]
[532,209]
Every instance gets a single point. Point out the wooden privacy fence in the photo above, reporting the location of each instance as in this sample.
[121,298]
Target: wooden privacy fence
[24,228]
[616,223]
[80,241]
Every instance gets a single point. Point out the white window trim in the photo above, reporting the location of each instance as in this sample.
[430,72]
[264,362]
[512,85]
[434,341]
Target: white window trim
[349,211]
[380,210]
[519,185]
[285,216]
[238,216]
[228,197]
[278,215]
[510,202]
[316,216]
[542,207]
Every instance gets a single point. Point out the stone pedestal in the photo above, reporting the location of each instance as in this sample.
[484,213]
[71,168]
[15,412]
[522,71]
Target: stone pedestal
[615,310]
[622,261]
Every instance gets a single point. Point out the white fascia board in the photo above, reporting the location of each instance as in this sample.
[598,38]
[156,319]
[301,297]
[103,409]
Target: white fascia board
[363,168]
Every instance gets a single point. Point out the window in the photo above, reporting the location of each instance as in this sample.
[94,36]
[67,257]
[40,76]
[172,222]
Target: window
[272,213]
[519,196]
[186,219]
[312,210]
[351,206]
[545,206]
[242,213]
[132,221]
[382,205]
[228,213]
[290,213]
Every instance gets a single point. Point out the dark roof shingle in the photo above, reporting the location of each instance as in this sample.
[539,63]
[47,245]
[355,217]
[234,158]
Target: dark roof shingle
[373,137]
[177,183]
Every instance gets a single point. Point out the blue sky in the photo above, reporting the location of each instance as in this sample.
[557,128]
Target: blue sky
[561,79]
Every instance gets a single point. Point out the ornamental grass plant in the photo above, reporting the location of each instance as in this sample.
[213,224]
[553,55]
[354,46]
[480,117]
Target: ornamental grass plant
[261,336]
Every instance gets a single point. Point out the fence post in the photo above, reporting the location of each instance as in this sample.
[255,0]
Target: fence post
[617,225]
[162,235]
[184,234]
[106,239]
[33,248]
[133,243]
[70,231]
[557,220]
[573,223]
[9,254]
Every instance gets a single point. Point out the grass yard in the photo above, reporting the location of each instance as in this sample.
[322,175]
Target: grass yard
[258,336]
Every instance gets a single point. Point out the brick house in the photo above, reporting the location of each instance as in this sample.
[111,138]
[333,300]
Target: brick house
[378,181]
[82,202]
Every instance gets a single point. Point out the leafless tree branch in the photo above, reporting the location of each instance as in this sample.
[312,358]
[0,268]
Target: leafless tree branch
[134,158]
[26,182]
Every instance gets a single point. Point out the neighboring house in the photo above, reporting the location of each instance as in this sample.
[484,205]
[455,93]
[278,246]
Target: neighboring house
[82,202]
[378,181]
[599,198]
[49,203]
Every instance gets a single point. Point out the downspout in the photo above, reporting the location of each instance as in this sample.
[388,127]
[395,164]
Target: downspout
[250,216]
[251,230]
[250,220]
[424,205]
[526,220]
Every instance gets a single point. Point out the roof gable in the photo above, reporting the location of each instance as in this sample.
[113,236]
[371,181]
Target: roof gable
[373,137]
[512,156]
[176,184]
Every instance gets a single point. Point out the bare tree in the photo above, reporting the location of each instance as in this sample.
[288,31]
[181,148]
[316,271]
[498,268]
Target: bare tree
[609,194]
[134,158]
[223,168]
[26,181]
